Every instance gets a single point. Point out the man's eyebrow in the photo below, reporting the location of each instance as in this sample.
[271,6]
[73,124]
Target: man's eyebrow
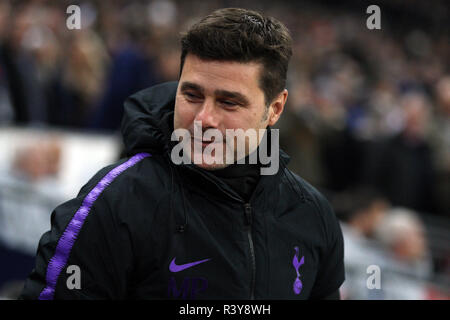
[222,93]
[232,95]
[190,85]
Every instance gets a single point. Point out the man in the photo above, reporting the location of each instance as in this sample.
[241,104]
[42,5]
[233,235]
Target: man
[147,228]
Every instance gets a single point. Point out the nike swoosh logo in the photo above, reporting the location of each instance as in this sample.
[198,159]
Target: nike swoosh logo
[177,268]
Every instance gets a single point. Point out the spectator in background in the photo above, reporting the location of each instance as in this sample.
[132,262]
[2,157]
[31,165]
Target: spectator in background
[25,33]
[408,262]
[401,167]
[130,72]
[77,88]
[28,191]
[441,142]
[132,69]
[7,112]
[360,210]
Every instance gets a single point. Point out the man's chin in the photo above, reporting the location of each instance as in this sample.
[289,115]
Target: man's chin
[211,167]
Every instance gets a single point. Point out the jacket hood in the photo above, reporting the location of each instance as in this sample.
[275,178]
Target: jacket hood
[147,123]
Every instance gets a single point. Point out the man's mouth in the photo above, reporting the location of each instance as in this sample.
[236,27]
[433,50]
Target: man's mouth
[204,143]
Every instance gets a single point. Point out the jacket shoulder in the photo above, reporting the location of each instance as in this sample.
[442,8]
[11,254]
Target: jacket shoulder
[319,202]
[141,171]
[308,191]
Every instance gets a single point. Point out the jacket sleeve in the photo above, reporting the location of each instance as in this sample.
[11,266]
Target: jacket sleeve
[87,254]
[331,273]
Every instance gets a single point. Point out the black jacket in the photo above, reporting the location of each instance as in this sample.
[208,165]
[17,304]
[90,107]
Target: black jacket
[145,228]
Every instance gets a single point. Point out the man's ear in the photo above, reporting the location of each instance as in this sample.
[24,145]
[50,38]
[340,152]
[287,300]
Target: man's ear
[276,107]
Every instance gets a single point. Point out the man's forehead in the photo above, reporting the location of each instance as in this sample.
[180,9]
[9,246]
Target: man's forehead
[194,59]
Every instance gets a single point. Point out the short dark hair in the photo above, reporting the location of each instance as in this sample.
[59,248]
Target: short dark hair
[241,35]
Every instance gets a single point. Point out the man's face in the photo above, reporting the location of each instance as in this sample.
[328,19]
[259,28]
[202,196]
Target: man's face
[222,95]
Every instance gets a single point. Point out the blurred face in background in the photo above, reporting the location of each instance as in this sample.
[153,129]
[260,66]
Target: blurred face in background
[403,234]
[39,160]
[410,244]
[223,95]
[416,115]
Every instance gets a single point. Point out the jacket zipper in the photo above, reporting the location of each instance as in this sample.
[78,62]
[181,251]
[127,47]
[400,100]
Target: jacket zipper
[248,223]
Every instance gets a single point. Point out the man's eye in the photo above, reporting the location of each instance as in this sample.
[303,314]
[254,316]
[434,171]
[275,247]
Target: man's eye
[191,96]
[229,103]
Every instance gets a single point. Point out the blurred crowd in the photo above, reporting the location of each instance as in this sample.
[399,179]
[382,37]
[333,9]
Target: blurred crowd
[367,119]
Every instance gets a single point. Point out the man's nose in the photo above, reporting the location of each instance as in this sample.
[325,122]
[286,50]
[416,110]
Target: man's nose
[208,115]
